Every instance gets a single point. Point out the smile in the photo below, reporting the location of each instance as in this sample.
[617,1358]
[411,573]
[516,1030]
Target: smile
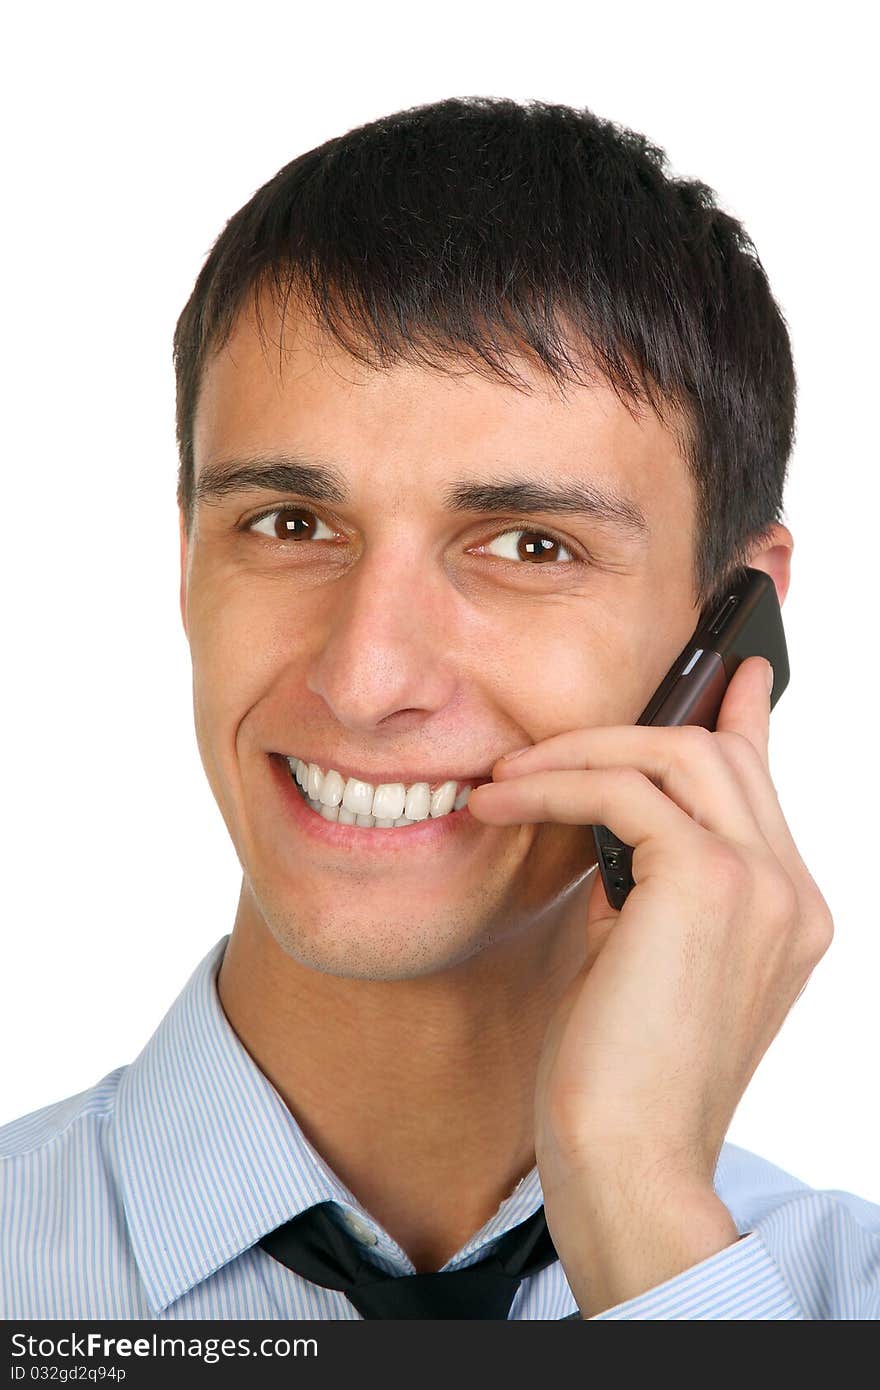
[351,801]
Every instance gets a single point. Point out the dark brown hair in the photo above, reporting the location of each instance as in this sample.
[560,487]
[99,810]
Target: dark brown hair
[475,228]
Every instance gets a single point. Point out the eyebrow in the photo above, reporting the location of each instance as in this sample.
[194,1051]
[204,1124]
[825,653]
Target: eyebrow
[323,482]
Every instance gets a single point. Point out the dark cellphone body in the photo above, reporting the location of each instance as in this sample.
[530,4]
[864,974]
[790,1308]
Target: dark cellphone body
[746,622]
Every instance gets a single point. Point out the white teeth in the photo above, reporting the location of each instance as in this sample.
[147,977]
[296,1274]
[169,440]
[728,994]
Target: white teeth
[388,801]
[389,804]
[332,788]
[358,797]
[442,799]
[418,802]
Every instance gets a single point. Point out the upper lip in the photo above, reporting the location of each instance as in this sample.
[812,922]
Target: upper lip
[379,778]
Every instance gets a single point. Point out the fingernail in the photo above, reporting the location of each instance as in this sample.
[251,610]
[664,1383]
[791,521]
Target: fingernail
[770,677]
[506,757]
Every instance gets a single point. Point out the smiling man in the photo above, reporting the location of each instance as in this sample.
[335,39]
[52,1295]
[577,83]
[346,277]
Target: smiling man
[402,595]
[479,410]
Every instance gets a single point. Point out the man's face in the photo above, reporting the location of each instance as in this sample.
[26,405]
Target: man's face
[390,633]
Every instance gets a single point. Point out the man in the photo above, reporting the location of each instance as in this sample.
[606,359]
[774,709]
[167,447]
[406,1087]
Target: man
[478,411]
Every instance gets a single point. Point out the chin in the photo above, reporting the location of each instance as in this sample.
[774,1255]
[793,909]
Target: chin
[366,946]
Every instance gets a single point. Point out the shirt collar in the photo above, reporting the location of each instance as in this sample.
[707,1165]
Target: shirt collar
[211,1158]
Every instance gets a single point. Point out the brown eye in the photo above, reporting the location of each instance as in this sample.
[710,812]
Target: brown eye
[289,524]
[533,547]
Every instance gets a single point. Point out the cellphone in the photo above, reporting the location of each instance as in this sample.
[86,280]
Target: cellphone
[746,621]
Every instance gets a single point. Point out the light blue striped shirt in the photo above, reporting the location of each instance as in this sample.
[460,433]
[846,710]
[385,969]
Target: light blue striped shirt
[145,1196]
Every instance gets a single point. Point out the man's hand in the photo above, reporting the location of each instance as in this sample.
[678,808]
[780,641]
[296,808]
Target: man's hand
[682,992]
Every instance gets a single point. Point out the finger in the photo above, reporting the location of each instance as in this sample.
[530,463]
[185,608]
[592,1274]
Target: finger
[620,797]
[685,762]
[742,735]
[745,709]
[758,787]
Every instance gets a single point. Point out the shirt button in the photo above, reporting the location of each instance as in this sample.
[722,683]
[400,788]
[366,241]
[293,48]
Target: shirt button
[359,1229]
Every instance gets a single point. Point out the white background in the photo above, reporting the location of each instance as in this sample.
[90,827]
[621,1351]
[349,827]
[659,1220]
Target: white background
[131,136]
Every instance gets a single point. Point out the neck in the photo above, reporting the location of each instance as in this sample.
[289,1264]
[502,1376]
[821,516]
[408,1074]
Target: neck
[418,1093]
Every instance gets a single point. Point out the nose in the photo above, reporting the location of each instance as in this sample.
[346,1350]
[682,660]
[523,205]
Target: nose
[388,648]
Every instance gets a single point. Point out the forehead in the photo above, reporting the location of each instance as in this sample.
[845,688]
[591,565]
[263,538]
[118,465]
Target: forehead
[407,426]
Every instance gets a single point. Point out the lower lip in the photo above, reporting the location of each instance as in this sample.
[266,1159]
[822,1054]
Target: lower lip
[432,833]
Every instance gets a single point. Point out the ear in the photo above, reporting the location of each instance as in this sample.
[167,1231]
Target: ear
[184,550]
[774,557]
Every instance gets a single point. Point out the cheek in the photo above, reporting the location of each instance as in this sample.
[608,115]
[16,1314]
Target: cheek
[235,646]
[582,677]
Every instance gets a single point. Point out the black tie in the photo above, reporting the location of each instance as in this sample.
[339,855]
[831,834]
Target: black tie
[312,1244]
